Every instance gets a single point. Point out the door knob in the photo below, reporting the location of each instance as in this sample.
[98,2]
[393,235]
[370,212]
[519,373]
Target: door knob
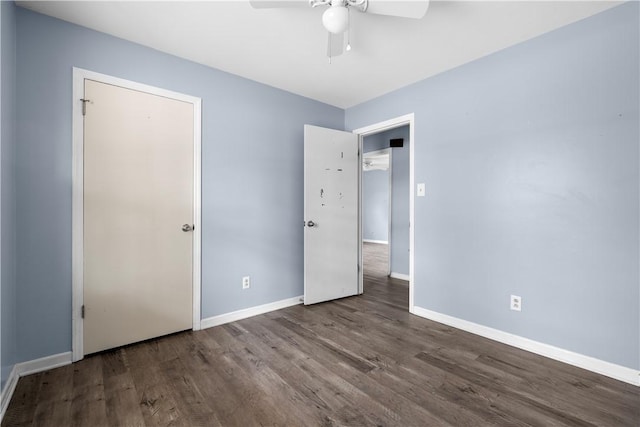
[187,227]
[311,224]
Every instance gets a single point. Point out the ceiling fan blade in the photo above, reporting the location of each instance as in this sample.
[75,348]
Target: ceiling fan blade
[272,4]
[405,9]
[335,45]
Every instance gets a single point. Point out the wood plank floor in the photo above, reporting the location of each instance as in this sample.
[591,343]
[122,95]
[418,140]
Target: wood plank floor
[360,361]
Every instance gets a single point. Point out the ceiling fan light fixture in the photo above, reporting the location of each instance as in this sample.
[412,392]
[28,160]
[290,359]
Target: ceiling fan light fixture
[336,19]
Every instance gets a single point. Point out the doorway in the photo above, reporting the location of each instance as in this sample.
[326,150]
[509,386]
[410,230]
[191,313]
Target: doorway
[377,186]
[136,212]
[391,263]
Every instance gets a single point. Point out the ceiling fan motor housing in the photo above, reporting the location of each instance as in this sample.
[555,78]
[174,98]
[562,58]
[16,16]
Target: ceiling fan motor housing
[336,18]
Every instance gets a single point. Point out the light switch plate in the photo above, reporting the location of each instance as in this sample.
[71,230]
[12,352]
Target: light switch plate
[421,189]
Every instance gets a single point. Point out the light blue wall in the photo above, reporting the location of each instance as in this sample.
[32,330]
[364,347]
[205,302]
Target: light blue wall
[375,205]
[530,159]
[7,190]
[252,190]
[375,195]
[399,242]
[399,201]
[374,142]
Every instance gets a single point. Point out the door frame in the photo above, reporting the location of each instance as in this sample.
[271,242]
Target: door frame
[389,152]
[77,240]
[407,119]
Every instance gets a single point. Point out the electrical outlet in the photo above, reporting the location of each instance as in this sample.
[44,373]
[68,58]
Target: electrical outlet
[246,282]
[516,303]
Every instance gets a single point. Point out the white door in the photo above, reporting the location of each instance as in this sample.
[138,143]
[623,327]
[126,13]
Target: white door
[138,193]
[331,236]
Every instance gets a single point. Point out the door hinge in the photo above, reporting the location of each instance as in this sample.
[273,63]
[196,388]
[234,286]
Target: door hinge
[84,105]
[82,311]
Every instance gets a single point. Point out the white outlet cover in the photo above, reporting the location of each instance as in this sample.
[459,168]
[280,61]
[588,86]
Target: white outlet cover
[515,303]
[421,189]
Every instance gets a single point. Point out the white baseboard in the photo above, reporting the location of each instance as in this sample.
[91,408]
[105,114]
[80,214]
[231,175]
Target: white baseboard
[27,368]
[7,392]
[43,364]
[618,372]
[400,276]
[249,312]
[380,242]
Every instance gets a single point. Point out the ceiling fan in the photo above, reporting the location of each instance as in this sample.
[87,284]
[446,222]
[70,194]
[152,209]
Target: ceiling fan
[336,18]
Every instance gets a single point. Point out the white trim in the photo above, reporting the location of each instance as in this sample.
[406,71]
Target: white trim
[77,217]
[197,213]
[618,372]
[27,368]
[7,392]
[79,75]
[400,276]
[360,220]
[407,119]
[385,125]
[390,195]
[250,312]
[378,242]
[43,364]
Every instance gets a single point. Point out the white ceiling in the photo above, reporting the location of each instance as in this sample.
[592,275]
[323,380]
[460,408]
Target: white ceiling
[286,48]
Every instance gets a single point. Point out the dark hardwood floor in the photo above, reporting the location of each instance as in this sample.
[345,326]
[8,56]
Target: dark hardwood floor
[360,361]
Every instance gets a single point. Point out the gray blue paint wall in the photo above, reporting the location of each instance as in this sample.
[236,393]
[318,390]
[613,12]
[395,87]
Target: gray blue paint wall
[399,239]
[375,195]
[251,175]
[375,205]
[8,327]
[530,158]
